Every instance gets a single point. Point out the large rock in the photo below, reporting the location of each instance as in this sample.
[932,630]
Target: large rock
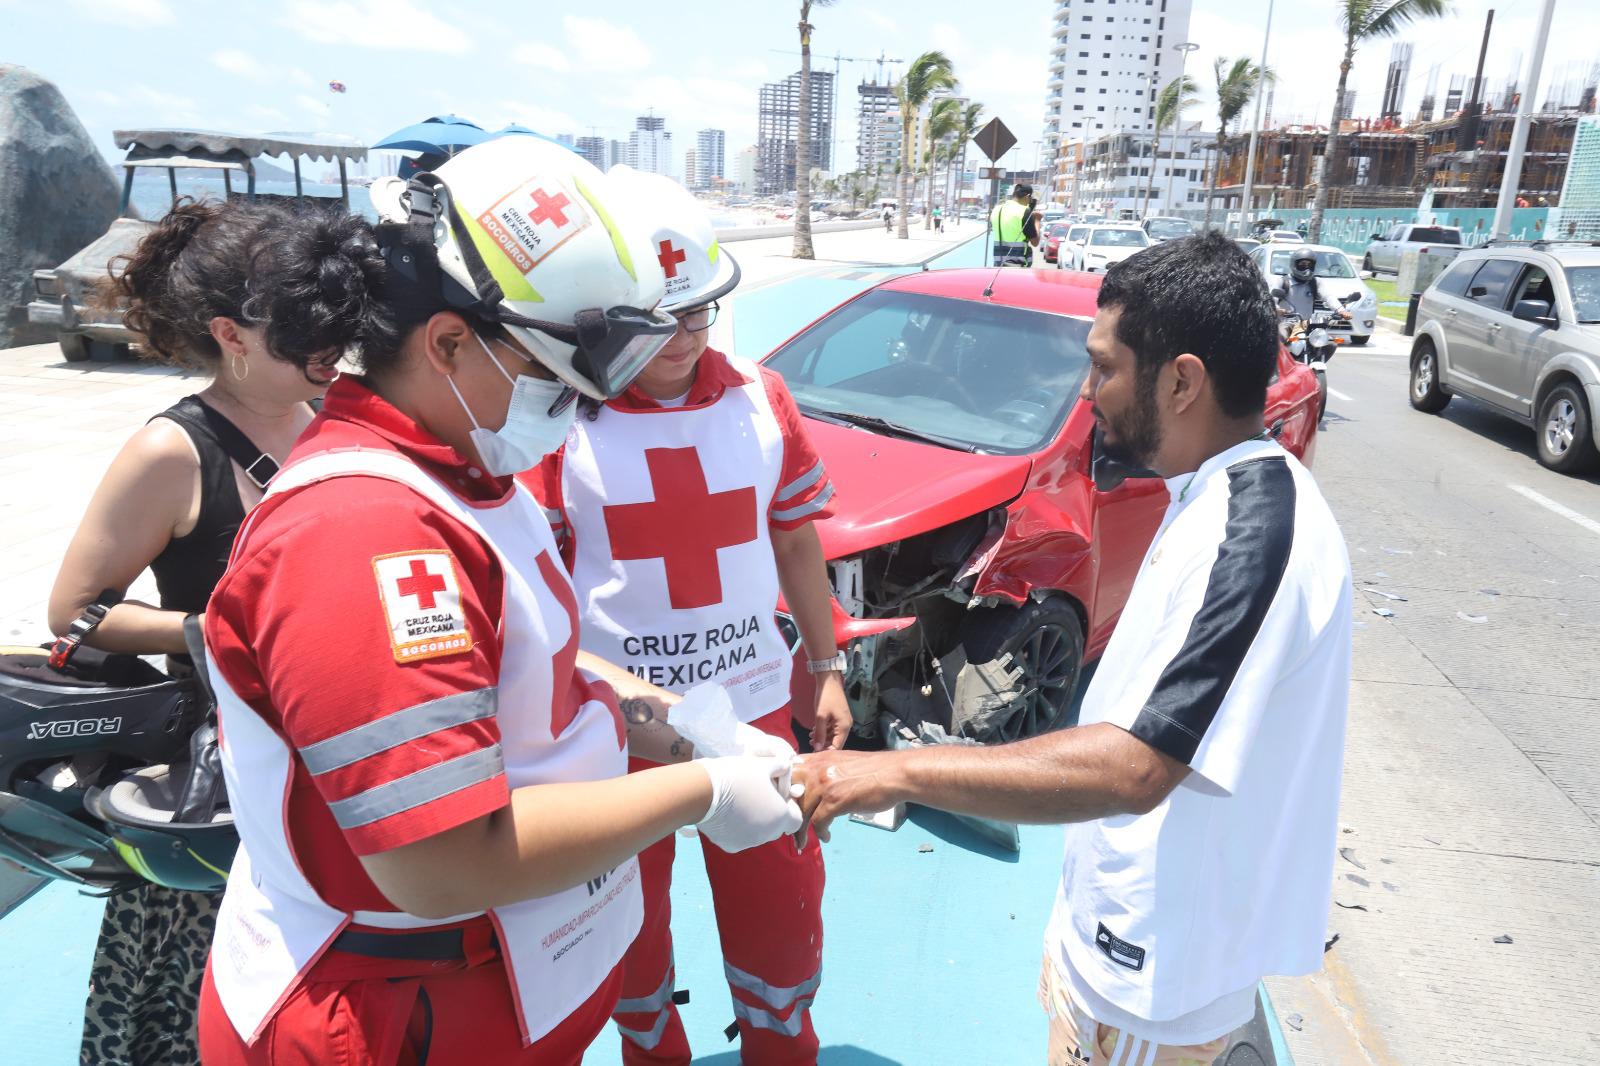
[56,193]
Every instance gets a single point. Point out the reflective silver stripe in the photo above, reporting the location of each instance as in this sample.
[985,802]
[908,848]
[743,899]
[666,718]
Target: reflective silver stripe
[812,507]
[554,517]
[413,790]
[772,995]
[799,484]
[645,1040]
[764,1019]
[393,730]
[653,1002]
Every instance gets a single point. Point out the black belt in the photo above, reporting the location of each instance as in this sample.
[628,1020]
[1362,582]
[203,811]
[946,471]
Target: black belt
[420,945]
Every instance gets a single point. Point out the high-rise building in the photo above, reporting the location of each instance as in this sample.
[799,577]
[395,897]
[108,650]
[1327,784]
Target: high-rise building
[594,150]
[1109,62]
[745,167]
[565,139]
[617,152]
[878,129]
[779,122]
[708,154]
[1395,83]
[650,145]
[691,169]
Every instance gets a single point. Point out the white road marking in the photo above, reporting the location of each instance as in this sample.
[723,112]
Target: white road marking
[1550,505]
[1337,395]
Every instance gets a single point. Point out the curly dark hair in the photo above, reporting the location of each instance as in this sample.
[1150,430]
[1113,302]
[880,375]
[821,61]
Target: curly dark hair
[312,276]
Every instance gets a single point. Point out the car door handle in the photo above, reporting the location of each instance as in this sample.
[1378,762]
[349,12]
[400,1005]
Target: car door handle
[1494,327]
[1451,312]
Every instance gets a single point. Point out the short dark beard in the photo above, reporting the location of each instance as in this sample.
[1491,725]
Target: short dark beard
[1138,432]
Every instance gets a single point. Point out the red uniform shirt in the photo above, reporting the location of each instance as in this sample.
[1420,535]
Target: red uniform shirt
[299,628]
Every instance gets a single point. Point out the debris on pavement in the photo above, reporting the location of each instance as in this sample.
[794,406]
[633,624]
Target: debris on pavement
[1393,597]
[1357,879]
[1350,906]
[1327,945]
[1349,856]
[1399,551]
[1503,938]
[923,849]
[1383,612]
[1432,841]
[1490,592]
[1477,619]
[1391,887]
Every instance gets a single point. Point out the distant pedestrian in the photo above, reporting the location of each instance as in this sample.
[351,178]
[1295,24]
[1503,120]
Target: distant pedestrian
[938,220]
[888,218]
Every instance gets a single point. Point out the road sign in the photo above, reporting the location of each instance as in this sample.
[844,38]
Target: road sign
[995,140]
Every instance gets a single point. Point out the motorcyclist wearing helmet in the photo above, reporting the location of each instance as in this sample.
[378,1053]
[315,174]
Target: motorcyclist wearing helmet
[171,502]
[706,457]
[438,864]
[1300,283]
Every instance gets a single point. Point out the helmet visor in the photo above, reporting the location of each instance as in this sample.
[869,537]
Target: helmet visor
[52,844]
[613,345]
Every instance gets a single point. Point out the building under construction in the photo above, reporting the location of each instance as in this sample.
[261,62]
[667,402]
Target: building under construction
[1383,165]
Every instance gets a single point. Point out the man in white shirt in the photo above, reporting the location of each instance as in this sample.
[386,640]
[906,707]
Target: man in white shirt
[1203,778]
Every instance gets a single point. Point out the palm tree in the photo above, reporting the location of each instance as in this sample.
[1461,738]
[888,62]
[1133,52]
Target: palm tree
[802,138]
[1180,94]
[969,129]
[1237,82]
[929,73]
[1362,21]
[944,120]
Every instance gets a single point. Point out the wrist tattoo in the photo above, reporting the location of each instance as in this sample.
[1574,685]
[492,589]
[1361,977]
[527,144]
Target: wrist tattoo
[637,710]
[680,749]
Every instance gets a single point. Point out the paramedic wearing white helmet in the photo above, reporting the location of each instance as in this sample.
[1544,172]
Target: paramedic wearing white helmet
[684,506]
[437,833]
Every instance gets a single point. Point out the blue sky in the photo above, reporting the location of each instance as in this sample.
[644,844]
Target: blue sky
[564,68]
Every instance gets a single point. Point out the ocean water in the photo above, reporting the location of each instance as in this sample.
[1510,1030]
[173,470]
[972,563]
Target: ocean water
[152,196]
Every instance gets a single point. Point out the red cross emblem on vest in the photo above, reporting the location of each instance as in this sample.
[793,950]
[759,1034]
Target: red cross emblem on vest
[684,526]
[422,584]
[670,257]
[547,208]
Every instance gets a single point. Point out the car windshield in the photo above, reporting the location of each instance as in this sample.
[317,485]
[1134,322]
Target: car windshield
[978,375]
[1329,264]
[1585,285]
[1077,232]
[1058,230]
[1119,238]
[1169,228]
[1435,235]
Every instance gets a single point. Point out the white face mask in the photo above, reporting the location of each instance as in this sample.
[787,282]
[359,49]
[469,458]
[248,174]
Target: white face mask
[530,432]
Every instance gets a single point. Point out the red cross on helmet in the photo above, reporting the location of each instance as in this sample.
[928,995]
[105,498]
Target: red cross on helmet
[697,269]
[531,236]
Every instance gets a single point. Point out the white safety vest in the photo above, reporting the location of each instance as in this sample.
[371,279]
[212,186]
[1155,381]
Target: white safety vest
[273,926]
[673,566]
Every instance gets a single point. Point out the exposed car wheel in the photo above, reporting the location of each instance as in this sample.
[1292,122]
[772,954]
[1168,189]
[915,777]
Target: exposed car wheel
[1366,264]
[1565,431]
[1359,342]
[1427,394]
[74,346]
[1045,642]
[1322,396]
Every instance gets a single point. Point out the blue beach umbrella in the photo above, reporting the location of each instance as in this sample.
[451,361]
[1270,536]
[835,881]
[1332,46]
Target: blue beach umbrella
[441,135]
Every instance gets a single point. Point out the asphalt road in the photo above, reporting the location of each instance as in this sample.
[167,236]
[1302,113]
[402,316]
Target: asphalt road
[1471,802]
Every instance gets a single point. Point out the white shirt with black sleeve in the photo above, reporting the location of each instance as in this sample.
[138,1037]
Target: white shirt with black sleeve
[1233,656]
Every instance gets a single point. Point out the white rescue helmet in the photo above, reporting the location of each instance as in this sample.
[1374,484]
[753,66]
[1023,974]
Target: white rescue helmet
[523,233]
[697,268]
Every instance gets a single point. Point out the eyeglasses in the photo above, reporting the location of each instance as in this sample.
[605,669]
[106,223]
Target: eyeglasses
[697,318]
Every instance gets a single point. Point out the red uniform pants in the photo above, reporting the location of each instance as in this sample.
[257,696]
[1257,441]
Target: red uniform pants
[769,914]
[359,1011]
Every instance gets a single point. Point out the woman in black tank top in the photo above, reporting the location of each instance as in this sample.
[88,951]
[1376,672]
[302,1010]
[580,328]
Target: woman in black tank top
[172,501]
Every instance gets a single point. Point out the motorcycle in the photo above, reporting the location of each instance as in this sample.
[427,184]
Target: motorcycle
[1313,339]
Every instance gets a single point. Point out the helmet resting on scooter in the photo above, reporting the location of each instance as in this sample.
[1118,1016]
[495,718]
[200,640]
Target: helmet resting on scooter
[108,775]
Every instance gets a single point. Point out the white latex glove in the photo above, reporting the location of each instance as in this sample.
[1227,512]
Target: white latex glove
[750,801]
[753,741]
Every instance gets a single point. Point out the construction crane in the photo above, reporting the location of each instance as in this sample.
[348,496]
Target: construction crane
[838,60]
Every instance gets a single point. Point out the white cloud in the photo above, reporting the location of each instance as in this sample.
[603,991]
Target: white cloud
[545,120]
[540,55]
[690,104]
[240,63]
[880,20]
[268,116]
[387,24]
[750,68]
[602,45]
[300,78]
[137,103]
[138,13]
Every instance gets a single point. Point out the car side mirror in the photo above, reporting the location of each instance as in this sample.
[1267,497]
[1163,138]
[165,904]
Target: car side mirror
[1376,237]
[1534,311]
[1110,473]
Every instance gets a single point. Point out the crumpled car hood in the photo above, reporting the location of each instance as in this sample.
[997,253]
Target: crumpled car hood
[888,489]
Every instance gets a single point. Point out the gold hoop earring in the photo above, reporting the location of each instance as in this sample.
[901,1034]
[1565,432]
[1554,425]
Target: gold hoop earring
[233,365]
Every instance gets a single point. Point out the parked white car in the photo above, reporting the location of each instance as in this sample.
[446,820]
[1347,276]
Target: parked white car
[1387,248]
[1336,279]
[1103,246]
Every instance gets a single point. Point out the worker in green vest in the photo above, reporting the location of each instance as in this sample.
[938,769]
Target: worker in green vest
[1014,228]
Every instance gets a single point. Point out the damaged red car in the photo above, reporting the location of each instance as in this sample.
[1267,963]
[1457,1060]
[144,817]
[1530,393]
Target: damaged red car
[976,561]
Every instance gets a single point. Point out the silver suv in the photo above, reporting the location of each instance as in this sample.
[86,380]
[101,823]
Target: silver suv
[1517,327]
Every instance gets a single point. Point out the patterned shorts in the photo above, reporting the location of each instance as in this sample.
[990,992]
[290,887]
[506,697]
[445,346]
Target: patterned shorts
[144,989]
[1076,1039]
